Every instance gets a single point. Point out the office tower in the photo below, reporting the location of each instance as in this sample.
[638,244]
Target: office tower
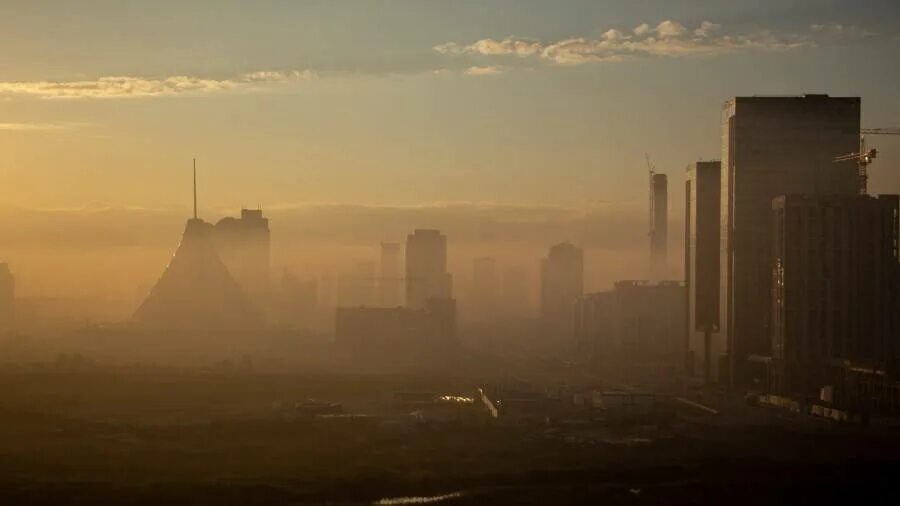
[485,289]
[390,277]
[356,287]
[706,348]
[244,247]
[426,268]
[7,298]
[772,146]
[835,287]
[659,225]
[649,322]
[562,284]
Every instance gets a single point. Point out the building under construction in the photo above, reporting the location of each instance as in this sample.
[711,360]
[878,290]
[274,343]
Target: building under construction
[659,225]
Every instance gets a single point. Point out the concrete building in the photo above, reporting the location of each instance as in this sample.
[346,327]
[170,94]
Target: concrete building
[707,347]
[562,284]
[426,268]
[659,225]
[244,247]
[834,290]
[390,275]
[7,298]
[485,289]
[772,146]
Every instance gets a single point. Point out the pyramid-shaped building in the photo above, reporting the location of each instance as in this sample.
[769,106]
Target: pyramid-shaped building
[196,291]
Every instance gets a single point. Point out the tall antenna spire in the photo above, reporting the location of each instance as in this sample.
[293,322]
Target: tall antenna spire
[195,188]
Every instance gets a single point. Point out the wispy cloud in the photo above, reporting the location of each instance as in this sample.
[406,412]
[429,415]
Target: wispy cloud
[137,87]
[483,71]
[669,39]
[37,127]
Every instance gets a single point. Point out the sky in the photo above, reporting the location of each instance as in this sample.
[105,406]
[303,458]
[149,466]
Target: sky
[390,107]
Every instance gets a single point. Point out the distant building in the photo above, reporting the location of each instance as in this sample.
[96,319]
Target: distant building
[426,268]
[356,287]
[397,330]
[390,276]
[7,298]
[659,225]
[701,266]
[562,284]
[595,324]
[244,247]
[772,146]
[485,289]
[834,289]
[650,321]
[196,291]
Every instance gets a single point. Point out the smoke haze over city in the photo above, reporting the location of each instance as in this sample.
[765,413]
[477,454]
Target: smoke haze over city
[493,252]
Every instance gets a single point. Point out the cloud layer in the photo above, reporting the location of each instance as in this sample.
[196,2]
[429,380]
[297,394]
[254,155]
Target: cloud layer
[136,87]
[667,39]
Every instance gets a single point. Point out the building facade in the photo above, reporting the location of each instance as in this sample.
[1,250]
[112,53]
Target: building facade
[244,246]
[659,225]
[562,284]
[834,287]
[772,146]
[707,349]
[426,268]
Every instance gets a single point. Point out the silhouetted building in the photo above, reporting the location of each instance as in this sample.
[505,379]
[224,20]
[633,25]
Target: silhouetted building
[426,268]
[638,324]
[7,298]
[485,289]
[397,330]
[390,276]
[772,146]
[244,247]
[562,284]
[659,225]
[834,287]
[196,291]
[701,267]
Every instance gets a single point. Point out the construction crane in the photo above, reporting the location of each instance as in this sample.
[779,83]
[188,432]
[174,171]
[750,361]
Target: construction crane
[865,156]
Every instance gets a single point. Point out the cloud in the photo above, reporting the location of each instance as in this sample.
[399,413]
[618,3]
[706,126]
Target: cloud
[668,38]
[37,127]
[138,87]
[483,71]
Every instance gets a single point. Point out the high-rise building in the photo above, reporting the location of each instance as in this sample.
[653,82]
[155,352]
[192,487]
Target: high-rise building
[244,246]
[659,225]
[772,146]
[834,290]
[390,277]
[7,298]
[426,268]
[562,284]
[701,267]
[485,288]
